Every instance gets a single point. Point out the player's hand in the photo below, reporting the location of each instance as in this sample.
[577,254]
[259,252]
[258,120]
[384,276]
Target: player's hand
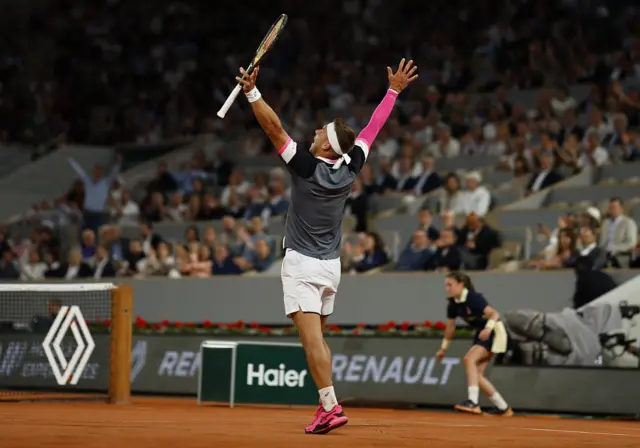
[440,354]
[248,82]
[405,75]
[484,334]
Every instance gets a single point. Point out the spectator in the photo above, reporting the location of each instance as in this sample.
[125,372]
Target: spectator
[96,192]
[34,269]
[369,181]
[447,257]
[597,126]
[72,269]
[358,206]
[452,197]
[125,209]
[425,223]
[374,254]
[211,208]
[88,247]
[593,154]
[154,209]
[9,268]
[429,180]
[570,126]
[164,182]
[619,235]
[417,253]
[385,182]
[200,264]
[177,209]
[134,258]
[260,257]
[210,238]
[149,238]
[562,102]
[478,240]
[476,198]
[237,186]
[405,181]
[445,145]
[566,249]
[588,263]
[616,136]
[546,175]
[103,267]
[386,146]
[223,263]
[278,204]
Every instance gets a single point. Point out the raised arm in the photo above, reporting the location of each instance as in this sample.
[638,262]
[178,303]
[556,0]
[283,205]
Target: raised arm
[115,170]
[265,115]
[79,171]
[398,81]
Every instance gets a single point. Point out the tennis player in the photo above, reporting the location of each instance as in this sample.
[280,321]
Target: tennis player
[321,180]
[491,338]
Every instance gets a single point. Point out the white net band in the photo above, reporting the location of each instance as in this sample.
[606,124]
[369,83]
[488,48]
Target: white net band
[56,287]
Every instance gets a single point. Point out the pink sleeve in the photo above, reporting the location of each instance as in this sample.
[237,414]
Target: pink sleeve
[378,120]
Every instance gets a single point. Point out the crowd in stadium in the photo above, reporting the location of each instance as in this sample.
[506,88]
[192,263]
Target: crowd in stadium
[152,72]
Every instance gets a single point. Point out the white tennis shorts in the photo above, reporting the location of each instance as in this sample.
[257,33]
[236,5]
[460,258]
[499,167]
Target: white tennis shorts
[309,284]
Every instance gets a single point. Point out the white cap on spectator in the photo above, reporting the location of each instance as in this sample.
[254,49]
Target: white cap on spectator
[474,175]
[594,213]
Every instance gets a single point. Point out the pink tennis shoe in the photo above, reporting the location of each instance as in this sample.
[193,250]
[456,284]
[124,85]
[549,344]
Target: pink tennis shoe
[324,422]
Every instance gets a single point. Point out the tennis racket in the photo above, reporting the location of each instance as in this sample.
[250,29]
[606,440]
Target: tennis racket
[263,49]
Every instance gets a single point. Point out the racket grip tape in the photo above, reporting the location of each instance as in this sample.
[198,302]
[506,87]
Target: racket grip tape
[227,104]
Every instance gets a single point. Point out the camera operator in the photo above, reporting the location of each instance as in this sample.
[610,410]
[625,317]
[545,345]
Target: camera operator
[588,263]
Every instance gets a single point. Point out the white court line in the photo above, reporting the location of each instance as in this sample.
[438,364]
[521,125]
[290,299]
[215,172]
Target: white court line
[582,432]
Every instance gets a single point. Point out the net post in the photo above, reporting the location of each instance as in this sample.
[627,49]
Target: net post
[120,345]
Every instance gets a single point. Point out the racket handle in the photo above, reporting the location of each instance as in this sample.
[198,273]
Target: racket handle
[227,104]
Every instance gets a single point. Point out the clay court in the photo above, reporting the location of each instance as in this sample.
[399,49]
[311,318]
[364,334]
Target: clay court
[180,422]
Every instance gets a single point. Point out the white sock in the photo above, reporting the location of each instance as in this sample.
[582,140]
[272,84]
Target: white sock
[474,393]
[499,401]
[328,398]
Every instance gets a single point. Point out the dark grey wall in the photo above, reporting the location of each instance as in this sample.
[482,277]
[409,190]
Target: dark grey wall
[370,299]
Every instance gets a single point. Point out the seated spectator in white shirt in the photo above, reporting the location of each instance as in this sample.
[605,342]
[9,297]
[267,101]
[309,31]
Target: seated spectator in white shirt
[238,185]
[562,102]
[476,198]
[597,125]
[445,145]
[593,154]
[125,209]
[386,146]
[546,175]
[34,269]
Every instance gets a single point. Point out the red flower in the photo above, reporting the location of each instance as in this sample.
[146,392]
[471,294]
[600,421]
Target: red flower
[265,330]
[222,326]
[334,328]
[207,324]
[107,322]
[254,325]
[383,328]
[190,325]
[166,323]
[240,324]
[141,323]
[361,325]
[158,326]
[178,324]
[391,324]
[356,332]
[428,324]
[440,325]
[405,326]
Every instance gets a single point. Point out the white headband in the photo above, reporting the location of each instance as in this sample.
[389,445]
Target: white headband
[333,138]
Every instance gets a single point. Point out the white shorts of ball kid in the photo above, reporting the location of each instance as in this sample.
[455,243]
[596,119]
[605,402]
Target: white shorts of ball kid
[309,284]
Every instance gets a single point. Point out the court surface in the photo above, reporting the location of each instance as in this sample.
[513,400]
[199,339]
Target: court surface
[182,423]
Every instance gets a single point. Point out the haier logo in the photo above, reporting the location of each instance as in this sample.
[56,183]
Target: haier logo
[412,370]
[279,377]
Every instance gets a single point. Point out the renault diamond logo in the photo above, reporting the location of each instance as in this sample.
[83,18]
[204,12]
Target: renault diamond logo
[68,372]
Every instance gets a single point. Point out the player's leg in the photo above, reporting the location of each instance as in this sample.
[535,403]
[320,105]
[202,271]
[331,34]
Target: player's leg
[472,359]
[501,406]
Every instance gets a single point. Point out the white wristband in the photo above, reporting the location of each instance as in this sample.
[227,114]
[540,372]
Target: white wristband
[445,344]
[253,95]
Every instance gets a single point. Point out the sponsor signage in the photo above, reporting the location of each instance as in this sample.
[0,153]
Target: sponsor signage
[375,369]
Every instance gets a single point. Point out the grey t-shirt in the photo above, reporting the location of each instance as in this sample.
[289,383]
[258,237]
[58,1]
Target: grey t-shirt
[319,192]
